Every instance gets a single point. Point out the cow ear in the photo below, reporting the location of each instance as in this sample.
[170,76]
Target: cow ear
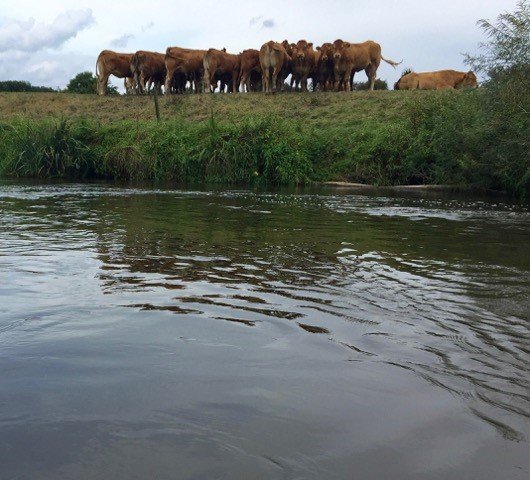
[347,44]
[318,48]
[310,44]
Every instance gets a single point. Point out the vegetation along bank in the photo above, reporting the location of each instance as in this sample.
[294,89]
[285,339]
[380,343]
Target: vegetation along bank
[381,138]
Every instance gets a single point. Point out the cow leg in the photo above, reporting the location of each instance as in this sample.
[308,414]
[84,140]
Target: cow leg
[137,85]
[169,80]
[371,74]
[102,84]
[346,80]
[207,81]
[303,83]
[264,81]
[340,82]
[338,79]
[235,83]
[281,82]
[243,81]
[275,74]
[351,80]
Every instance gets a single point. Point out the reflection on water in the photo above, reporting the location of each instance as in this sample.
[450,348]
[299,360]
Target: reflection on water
[242,335]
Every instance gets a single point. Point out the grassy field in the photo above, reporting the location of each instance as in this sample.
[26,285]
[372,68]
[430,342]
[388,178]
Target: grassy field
[381,138]
[313,108]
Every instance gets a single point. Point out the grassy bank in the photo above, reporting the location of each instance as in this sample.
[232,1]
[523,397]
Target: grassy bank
[382,138]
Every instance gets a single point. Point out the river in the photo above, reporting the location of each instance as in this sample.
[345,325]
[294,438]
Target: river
[310,334]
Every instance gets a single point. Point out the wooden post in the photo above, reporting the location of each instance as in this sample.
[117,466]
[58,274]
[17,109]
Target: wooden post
[155,98]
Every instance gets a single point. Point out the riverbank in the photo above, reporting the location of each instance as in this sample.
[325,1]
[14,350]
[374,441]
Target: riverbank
[377,138]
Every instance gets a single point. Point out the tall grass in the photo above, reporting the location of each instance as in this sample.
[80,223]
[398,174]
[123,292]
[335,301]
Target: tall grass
[445,138]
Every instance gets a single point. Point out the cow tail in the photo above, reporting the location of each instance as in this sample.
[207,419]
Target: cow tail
[391,62]
[135,63]
[206,75]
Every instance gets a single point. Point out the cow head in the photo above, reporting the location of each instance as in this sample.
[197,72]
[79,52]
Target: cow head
[288,47]
[301,50]
[326,52]
[338,49]
[470,80]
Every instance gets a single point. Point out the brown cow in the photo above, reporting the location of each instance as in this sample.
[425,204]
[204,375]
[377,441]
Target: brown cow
[349,58]
[219,65]
[111,63]
[325,78]
[148,67]
[443,79]
[186,61]
[249,65]
[272,57]
[287,68]
[304,61]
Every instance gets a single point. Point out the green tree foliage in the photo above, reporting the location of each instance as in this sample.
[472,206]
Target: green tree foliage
[508,45]
[505,60]
[86,82]
[21,86]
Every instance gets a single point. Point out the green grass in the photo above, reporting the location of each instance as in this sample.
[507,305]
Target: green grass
[380,138]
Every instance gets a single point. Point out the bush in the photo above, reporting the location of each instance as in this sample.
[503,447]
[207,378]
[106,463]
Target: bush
[505,108]
[86,82]
[379,85]
[22,86]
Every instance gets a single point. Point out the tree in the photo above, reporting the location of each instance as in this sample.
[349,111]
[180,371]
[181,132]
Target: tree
[509,42]
[21,86]
[86,82]
[505,59]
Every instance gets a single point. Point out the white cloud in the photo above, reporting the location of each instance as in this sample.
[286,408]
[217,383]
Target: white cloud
[44,68]
[121,42]
[30,36]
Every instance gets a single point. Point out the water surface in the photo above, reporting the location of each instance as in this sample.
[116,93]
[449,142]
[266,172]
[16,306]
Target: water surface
[305,335]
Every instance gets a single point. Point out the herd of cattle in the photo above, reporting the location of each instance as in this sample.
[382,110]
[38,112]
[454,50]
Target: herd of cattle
[331,66]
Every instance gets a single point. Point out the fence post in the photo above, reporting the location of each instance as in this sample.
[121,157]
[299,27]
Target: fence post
[155,98]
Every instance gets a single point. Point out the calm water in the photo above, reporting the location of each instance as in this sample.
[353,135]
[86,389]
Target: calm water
[196,335]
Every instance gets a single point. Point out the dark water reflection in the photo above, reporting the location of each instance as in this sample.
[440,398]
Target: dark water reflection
[172,334]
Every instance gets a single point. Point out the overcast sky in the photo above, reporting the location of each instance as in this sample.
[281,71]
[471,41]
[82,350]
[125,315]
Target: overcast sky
[47,42]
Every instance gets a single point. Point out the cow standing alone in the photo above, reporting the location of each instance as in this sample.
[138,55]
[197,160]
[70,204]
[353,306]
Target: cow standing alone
[349,58]
[111,63]
[272,57]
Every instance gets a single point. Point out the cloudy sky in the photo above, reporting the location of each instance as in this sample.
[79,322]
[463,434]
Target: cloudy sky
[47,42]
